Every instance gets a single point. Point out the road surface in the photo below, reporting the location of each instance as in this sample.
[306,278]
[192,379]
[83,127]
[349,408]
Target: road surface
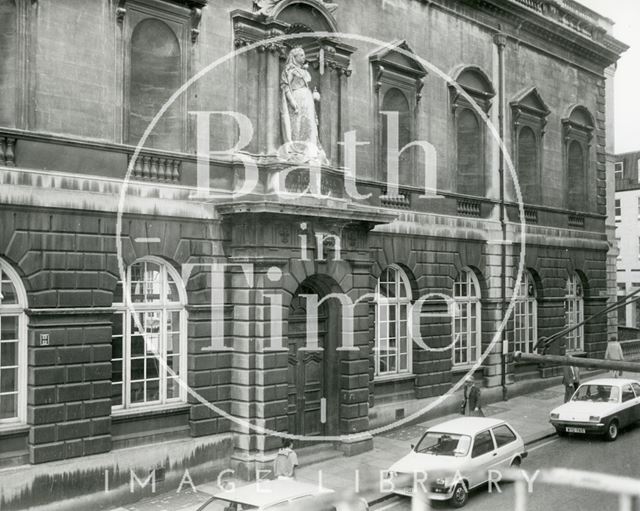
[621,457]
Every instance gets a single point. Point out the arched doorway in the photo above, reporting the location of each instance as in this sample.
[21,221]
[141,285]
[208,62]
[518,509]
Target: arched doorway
[313,375]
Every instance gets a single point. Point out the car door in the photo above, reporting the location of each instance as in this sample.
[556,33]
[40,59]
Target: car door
[506,444]
[636,408]
[627,406]
[483,455]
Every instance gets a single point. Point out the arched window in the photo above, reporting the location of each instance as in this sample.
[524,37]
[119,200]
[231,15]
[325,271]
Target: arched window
[466,321]
[528,166]
[576,177]
[470,176]
[525,316]
[577,132]
[149,337]
[154,74]
[469,128]
[574,313]
[13,348]
[397,107]
[393,298]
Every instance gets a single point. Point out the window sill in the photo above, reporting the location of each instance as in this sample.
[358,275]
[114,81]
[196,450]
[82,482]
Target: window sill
[393,377]
[14,428]
[155,411]
[463,368]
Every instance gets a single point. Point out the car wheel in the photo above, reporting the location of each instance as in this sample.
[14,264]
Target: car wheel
[516,462]
[612,431]
[460,496]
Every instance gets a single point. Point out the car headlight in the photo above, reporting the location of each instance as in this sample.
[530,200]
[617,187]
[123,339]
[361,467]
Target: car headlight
[555,415]
[594,418]
[441,482]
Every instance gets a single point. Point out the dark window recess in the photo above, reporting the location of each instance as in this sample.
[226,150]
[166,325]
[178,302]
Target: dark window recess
[470,179]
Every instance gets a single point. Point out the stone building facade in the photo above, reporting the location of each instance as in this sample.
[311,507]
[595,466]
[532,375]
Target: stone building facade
[106,253]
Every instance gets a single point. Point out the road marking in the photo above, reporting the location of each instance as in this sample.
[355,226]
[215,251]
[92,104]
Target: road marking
[542,445]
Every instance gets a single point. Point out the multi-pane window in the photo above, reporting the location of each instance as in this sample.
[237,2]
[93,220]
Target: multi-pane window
[466,320]
[12,347]
[638,206]
[619,169]
[149,339]
[525,316]
[393,299]
[619,209]
[574,313]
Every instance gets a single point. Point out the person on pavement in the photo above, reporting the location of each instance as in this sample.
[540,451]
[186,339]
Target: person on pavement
[284,466]
[614,352]
[473,404]
[570,378]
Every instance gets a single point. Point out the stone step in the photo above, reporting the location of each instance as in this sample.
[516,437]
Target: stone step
[317,453]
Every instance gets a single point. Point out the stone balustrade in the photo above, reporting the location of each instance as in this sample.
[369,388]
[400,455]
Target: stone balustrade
[7,151]
[468,207]
[149,167]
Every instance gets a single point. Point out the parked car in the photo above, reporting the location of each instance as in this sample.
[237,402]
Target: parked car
[602,406]
[467,447]
[282,495]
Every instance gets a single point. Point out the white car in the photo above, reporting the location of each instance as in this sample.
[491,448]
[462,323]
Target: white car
[602,406]
[465,448]
[282,495]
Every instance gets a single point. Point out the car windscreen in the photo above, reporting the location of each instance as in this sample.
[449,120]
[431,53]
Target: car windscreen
[216,504]
[443,444]
[597,393]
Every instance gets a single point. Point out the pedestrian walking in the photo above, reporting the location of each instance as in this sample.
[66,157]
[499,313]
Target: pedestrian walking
[570,380]
[284,466]
[472,404]
[614,352]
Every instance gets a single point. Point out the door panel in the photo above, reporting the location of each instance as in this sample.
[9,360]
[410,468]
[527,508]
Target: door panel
[306,370]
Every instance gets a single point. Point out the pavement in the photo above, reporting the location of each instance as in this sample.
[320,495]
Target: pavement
[528,414]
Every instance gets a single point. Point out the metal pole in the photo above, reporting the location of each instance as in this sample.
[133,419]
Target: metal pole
[632,367]
[500,39]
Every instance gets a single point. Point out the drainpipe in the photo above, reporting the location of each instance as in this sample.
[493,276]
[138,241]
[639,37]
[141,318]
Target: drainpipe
[500,40]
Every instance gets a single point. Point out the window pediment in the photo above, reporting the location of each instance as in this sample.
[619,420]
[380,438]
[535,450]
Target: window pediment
[391,60]
[530,102]
[475,82]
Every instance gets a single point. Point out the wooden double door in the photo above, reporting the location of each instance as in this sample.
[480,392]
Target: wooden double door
[313,376]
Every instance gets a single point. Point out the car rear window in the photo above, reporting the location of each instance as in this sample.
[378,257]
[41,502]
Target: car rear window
[503,435]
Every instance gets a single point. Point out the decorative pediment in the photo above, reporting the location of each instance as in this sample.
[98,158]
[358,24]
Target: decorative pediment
[530,101]
[390,58]
[578,124]
[475,82]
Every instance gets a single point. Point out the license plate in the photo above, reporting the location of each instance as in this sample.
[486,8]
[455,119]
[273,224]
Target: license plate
[575,430]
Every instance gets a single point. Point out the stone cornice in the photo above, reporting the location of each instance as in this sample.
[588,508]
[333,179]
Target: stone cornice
[547,20]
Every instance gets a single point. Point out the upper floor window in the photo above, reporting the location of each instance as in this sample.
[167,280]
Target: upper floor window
[470,131]
[529,115]
[398,83]
[466,321]
[8,64]
[618,208]
[578,128]
[525,316]
[13,348]
[574,313]
[155,67]
[149,337]
[619,169]
[393,346]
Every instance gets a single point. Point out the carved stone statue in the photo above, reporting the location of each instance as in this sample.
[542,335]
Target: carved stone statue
[299,119]
[267,7]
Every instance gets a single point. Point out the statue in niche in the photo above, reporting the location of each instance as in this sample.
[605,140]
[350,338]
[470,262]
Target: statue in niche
[299,119]
[267,7]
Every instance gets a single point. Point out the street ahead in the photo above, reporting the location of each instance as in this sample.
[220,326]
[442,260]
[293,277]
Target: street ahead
[619,458]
